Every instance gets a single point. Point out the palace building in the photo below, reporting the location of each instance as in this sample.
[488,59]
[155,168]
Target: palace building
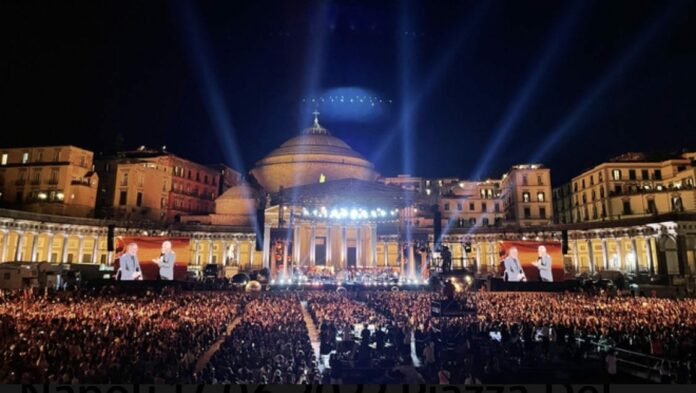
[315,203]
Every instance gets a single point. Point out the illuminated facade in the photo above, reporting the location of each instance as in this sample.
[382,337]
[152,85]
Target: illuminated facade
[51,179]
[629,186]
[152,185]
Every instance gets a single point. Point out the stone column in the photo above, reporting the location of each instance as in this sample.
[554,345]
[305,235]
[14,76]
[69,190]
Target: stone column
[252,251]
[465,259]
[411,261]
[373,245]
[313,245]
[3,245]
[634,247]
[491,257]
[80,248]
[590,255]
[210,250]
[605,253]
[344,247]
[477,264]
[386,253]
[64,249]
[266,246]
[619,253]
[296,246]
[223,253]
[358,246]
[34,246]
[576,257]
[402,259]
[238,253]
[196,244]
[20,245]
[49,246]
[648,252]
[95,250]
[329,248]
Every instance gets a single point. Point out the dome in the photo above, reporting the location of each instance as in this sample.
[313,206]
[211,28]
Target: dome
[312,157]
[236,206]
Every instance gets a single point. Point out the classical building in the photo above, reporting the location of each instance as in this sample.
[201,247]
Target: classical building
[155,185]
[629,186]
[49,179]
[316,204]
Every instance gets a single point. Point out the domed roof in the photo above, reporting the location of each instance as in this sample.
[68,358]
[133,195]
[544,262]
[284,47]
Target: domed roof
[309,158]
[241,191]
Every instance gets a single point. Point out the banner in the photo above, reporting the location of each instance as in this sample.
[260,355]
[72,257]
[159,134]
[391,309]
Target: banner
[538,259]
[153,258]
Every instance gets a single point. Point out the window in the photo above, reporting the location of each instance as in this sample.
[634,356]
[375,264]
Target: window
[198,176]
[632,174]
[524,180]
[56,155]
[601,192]
[139,199]
[447,206]
[497,208]
[677,204]
[600,176]
[122,198]
[484,222]
[459,206]
[3,161]
[25,157]
[645,174]
[575,187]
[583,184]
[189,174]
[124,180]
[527,213]
[205,179]
[618,189]
[593,195]
[163,203]
[472,221]
[542,212]
[592,180]
[54,177]
[658,174]
[164,186]
[541,197]
[484,207]
[471,207]
[652,208]
[525,197]
[627,207]
[539,181]
[616,174]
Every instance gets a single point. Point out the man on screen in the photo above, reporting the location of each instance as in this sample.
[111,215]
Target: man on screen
[544,265]
[166,261]
[513,268]
[129,266]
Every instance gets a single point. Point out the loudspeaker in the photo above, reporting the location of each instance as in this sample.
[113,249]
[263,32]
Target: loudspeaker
[110,237]
[260,224]
[564,241]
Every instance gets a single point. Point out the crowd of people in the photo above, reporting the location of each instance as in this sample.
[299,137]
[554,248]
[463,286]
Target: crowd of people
[109,339]
[269,345]
[368,336]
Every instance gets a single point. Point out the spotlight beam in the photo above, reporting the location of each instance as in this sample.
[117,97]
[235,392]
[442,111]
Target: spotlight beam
[524,95]
[467,32]
[617,69]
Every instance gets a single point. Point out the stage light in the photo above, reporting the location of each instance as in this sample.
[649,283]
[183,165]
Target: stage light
[314,212]
[353,214]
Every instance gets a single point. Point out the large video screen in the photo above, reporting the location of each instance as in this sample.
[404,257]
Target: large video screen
[151,258]
[531,261]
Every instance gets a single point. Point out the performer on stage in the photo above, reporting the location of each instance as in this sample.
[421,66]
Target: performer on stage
[166,261]
[513,268]
[544,265]
[129,266]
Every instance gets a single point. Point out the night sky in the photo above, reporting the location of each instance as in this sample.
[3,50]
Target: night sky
[228,81]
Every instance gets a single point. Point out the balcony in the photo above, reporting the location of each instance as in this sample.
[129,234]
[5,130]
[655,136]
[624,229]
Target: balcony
[20,182]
